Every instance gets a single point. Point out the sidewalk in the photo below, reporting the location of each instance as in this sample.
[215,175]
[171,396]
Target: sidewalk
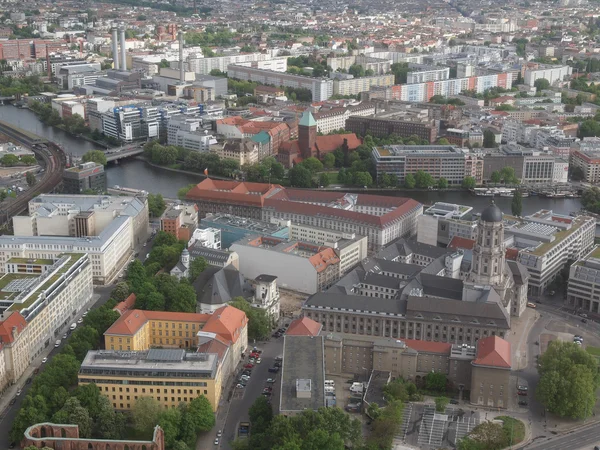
[11,392]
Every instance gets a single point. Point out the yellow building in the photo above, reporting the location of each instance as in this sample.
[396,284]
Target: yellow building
[196,355]
[171,376]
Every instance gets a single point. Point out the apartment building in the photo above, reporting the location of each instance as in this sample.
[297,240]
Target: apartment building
[180,220]
[424,74]
[321,88]
[330,119]
[589,162]
[38,299]
[300,266]
[204,66]
[439,161]
[387,124]
[354,86]
[380,218]
[553,74]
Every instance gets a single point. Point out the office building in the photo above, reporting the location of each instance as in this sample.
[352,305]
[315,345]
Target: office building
[545,242]
[381,218]
[234,228]
[38,299]
[321,88]
[531,166]
[106,227]
[83,178]
[302,375]
[387,124]
[441,222]
[187,132]
[439,161]
[129,123]
[299,266]
[584,283]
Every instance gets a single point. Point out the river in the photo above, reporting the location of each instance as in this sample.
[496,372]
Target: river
[137,174]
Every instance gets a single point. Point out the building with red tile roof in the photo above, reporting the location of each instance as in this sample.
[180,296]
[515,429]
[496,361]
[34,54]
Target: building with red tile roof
[490,376]
[304,326]
[126,304]
[458,242]
[381,218]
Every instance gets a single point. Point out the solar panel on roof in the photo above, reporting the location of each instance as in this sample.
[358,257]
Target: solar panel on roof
[159,354]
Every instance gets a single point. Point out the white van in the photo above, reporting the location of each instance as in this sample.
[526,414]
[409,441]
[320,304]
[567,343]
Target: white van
[356,388]
[329,389]
[330,383]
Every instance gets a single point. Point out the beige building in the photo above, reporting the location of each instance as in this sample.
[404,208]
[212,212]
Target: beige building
[244,151]
[491,373]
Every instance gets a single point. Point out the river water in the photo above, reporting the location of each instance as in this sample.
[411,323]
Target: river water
[137,174]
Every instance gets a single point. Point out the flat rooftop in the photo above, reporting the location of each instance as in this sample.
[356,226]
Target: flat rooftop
[419,150]
[166,361]
[302,359]
[253,225]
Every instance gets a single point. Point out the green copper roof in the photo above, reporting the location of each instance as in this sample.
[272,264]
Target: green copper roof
[261,138]
[307,119]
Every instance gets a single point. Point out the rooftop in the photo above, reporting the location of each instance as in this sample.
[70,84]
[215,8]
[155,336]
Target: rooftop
[418,150]
[303,358]
[493,351]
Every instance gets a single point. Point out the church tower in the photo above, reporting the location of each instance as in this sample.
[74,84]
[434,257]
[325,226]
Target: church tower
[488,263]
[307,135]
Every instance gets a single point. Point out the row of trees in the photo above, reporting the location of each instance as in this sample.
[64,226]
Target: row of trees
[52,397]
[506,176]
[32,85]
[156,205]
[326,428]
[267,170]
[10,160]
[591,199]
[181,425]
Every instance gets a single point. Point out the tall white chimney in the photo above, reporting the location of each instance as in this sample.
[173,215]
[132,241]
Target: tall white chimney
[181,75]
[123,50]
[115,51]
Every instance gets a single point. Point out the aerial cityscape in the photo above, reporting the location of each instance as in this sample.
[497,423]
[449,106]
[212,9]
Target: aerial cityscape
[294,225]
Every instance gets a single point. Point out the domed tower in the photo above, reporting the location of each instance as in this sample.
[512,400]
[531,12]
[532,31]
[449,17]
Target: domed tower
[185,258]
[487,267]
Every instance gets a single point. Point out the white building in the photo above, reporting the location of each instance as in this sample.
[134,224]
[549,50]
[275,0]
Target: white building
[187,132]
[37,309]
[354,86]
[442,222]
[204,66]
[426,75]
[551,73]
[584,283]
[332,119]
[266,296]
[206,237]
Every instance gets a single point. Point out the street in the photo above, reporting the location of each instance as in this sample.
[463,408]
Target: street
[584,438]
[242,399]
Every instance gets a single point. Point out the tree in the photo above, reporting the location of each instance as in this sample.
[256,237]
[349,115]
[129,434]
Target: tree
[569,379]
[120,292]
[202,414]
[101,319]
[9,160]
[441,403]
[323,180]
[589,128]
[89,397]
[540,84]
[435,381]
[136,275]
[96,156]
[197,266]
[312,164]
[169,421]
[145,414]
[30,178]
[508,175]
[423,179]
[362,179]
[156,205]
[77,415]
[489,139]
[108,424]
[182,192]
[356,70]
[329,160]
[28,160]
[261,415]
[409,181]
[442,183]
[259,325]
[495,177]
[443,141]
[517,203]
[300,176]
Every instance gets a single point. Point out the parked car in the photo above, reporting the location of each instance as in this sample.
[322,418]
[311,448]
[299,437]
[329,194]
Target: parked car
[216,441]
[256,350]
[278,358]
[80,320]
[522,388]
[240,386]
[523,402]
[44,360]
[277,364]
[453,401]
[258,361]
[268,389]
[274,369]
[249,366]
[270,380]
[219,433]
[522,392]
[583,315]
[584,320]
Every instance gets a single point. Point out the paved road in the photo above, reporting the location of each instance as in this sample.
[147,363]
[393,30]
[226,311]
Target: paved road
[243,399]
[585,438]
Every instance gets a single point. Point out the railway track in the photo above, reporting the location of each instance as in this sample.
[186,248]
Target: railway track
[54,161]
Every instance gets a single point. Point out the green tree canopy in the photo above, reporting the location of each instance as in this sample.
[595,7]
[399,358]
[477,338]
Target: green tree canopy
[97,156]
[569,379]
[516,205]
[423,179]
[541,84]
[145,414]
[489,139]
[259,324]
[300,176]
[409,181]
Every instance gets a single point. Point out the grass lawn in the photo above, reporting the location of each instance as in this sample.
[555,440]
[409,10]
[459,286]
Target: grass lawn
[513,426]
